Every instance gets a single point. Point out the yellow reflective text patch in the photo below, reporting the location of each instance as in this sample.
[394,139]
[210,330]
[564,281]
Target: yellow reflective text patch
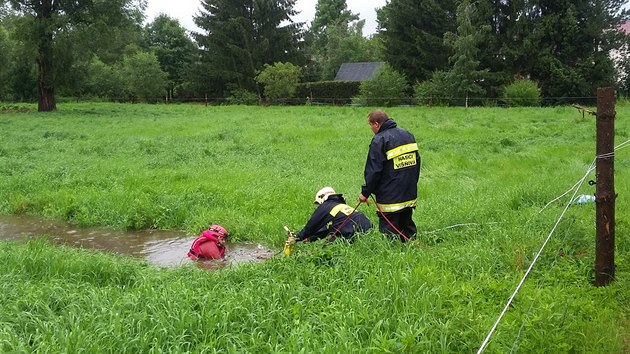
[346,209]
[405,160]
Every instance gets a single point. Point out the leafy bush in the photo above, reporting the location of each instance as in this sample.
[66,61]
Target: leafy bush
[522,92]
[280,81]
[144,79]
[433,91]
[103,81]
[386,88]
[331,92]
[244,97]
[17,107]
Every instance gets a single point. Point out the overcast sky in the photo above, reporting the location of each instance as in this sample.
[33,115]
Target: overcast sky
[184,10]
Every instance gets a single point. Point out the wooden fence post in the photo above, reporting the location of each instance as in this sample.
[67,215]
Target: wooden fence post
[605,188]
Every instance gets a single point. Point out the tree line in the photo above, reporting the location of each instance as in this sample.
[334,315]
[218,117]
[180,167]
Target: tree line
[437,51]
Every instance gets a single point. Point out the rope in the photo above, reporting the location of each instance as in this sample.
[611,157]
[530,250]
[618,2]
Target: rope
[461,225]
[612,154]
[576,186]
[330,238]
[531,306]
[386,219]
[591,167]
[531,266]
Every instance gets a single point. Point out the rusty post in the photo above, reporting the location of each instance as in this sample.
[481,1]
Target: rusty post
[605,188]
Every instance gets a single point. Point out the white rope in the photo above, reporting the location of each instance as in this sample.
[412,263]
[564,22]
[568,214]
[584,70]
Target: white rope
[518,335]
[576,188]
[622,145]
[591,167]
[531,266]
[612,154]
[531,306]
[460,225]
[577,184]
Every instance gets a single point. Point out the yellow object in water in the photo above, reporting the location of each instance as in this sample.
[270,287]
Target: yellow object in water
[289,245]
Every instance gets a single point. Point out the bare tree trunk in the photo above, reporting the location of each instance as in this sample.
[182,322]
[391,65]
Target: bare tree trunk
[47,102]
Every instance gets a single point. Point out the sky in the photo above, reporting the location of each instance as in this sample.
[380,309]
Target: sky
[184,10]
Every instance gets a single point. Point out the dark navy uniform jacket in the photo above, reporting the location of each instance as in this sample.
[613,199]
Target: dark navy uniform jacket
[392,168]
[329,216]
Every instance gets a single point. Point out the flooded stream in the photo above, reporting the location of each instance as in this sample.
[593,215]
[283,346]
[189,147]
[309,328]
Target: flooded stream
[160,247]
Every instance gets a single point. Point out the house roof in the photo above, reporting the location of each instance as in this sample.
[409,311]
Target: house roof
[625,27]
[357,71]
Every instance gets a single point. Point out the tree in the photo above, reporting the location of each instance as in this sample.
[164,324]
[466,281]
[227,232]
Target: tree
[435,91]
[5,62]
[564,45]
[622,68]
[386,88]
[280,80]
[345,43]
[104,81]
[174,49]
[412,32]
[20,70]
[335,37]
[328,14]
[522,92]
[464,77]
[43,19]
[241,36]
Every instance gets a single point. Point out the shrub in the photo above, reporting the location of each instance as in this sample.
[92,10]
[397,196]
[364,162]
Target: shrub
[242,97]
[280,81]
[433,91]
[386,88]
[330,92]
[143,77]
[522,92]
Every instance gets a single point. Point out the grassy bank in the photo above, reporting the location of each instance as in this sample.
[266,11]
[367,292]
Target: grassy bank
[487,174]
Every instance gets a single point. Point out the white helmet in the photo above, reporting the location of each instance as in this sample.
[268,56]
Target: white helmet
[323,194]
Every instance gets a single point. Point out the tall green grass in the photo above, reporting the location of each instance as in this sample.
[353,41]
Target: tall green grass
[487,174]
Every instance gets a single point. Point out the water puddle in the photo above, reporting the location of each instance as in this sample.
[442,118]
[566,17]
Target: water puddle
[161,247]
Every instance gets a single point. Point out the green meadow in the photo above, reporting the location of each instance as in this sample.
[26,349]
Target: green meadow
[484,211]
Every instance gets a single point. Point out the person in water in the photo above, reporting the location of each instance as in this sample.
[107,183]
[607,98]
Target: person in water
[210,244]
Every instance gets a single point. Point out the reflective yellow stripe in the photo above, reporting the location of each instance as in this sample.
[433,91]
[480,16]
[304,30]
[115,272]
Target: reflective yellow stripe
[390,208]
[346,209]
[402,149]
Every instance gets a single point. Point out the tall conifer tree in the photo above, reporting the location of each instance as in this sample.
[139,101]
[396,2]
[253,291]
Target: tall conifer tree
[564,45]
[240,36]
[413,33]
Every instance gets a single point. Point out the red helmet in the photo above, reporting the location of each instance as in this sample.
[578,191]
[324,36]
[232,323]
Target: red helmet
[220,230]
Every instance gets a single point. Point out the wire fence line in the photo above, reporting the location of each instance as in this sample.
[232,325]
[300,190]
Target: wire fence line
[540,284]
[575,188]
[424,101]
[531,266]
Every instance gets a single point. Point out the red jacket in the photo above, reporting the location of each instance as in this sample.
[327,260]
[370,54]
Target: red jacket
[207,246]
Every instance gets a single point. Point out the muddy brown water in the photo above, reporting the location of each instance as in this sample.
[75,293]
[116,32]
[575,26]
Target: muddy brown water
[161,247]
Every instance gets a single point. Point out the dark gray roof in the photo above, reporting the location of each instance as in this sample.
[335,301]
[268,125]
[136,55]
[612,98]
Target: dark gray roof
[357,71]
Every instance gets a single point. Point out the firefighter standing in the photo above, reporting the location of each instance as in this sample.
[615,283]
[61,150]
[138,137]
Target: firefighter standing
[392,170]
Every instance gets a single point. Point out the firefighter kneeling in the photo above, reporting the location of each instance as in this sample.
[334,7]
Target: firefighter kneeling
[333,213]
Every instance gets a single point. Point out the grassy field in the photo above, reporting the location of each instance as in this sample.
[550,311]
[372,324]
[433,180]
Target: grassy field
[487,175]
